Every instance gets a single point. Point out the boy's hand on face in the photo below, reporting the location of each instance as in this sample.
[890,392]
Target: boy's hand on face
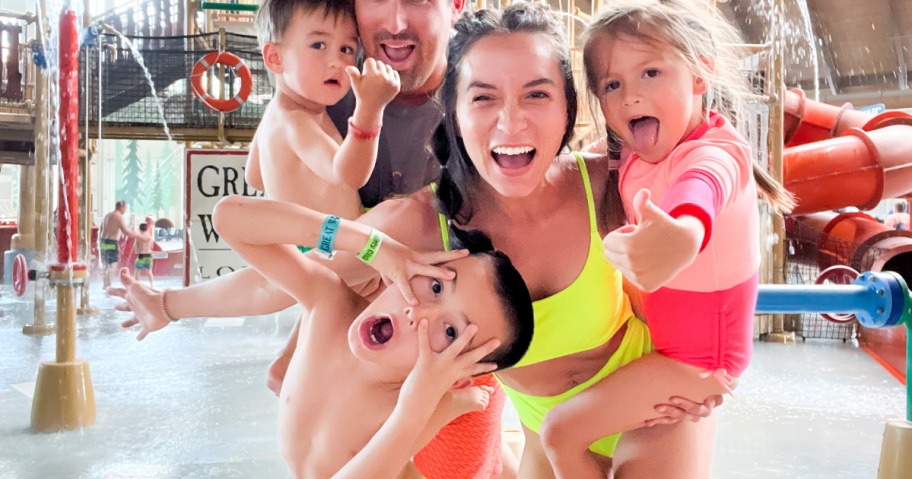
[374,87]
[399,264]
[436,373]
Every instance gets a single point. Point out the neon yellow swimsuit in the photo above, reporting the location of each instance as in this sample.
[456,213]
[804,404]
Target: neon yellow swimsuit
[583,316]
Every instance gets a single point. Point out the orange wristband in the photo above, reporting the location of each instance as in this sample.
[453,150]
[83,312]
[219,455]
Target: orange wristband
[362,134]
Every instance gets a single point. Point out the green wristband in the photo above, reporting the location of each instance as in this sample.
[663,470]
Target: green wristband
[370,249]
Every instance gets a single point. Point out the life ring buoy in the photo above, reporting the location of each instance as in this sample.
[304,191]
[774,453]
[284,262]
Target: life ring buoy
[240,69]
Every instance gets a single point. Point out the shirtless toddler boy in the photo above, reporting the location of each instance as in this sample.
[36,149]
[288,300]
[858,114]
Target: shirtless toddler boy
[297,154]
[143,246]
[368,383]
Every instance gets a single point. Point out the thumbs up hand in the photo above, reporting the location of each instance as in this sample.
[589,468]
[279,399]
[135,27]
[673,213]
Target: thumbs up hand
[653,251]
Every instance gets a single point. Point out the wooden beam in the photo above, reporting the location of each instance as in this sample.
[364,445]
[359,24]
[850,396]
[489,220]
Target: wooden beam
[112,132]
[829,60]
[889,13]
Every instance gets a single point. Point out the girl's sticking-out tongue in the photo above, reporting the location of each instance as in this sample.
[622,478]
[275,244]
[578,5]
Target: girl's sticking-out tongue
[645,133]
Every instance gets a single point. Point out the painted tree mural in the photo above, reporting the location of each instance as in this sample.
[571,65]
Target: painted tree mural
[131,189]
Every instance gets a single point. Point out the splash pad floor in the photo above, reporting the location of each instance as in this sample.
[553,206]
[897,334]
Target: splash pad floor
[190,402]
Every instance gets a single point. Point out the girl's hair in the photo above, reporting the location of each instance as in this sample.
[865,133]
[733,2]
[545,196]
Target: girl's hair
[693,32]
[459,174]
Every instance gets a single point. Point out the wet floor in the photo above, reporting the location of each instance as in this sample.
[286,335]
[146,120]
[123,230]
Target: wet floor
[190,402]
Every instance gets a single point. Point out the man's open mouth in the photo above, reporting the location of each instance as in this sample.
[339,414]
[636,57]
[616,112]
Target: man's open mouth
[513,158]
[397,54]
[376,331]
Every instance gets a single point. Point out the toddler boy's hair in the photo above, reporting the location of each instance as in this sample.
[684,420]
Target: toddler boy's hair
[274,16]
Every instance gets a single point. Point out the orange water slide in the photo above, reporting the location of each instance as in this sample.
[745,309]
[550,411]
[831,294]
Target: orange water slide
[870,158]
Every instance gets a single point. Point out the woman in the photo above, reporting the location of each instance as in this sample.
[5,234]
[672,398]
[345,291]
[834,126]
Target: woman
[510,106]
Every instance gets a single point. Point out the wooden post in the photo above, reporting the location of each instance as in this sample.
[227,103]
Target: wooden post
[776,89]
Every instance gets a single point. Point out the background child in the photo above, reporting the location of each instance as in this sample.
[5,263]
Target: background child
[367,384]
[298,154]
[143,247]
[666,86]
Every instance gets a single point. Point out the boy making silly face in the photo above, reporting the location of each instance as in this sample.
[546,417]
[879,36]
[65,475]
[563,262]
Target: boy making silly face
[369,382]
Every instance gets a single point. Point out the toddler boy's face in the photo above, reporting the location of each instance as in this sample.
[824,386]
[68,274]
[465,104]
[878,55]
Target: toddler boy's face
[386,332]
[314,52]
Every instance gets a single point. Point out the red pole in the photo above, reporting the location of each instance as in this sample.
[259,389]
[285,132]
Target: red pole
[69,138]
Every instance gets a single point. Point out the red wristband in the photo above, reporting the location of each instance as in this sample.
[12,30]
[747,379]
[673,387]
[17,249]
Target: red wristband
[362,134]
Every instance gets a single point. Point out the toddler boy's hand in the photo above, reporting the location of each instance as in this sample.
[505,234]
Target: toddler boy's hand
[375,86]
[399,264]
[436,373]
[471,399]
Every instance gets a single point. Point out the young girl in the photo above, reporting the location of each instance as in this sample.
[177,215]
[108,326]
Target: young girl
[668,92]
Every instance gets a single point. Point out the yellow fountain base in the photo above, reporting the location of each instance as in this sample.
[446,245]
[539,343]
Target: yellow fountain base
[64,399]
[784,337]
[36,329]
[896,453]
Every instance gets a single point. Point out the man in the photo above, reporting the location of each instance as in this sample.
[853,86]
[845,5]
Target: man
[112,226]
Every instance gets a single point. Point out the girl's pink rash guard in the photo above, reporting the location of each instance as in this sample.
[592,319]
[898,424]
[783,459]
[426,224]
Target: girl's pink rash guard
[704,315]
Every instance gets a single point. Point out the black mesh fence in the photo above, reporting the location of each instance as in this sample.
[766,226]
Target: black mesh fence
[126,95]
[810,252]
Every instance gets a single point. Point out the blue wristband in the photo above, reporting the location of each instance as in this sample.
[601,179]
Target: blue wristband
[328,236]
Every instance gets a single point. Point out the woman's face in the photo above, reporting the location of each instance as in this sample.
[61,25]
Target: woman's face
[511,111]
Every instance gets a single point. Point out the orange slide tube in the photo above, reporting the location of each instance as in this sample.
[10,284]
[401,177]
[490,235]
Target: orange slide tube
[808,121]
[858,169]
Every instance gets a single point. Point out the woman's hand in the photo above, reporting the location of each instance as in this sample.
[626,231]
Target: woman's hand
[683,408]
[436,373]
[399,264]
[143,301]
[657,248]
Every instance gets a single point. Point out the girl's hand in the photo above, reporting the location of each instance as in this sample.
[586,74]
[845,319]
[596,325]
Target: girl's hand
[375,85]
[399,264]
[143,301]
[657,248]
[436,373]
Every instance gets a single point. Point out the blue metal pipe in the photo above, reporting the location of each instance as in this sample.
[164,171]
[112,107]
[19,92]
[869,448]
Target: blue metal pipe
[793,298]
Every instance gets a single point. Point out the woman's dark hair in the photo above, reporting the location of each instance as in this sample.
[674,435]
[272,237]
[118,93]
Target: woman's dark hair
[459,174]
[512,291]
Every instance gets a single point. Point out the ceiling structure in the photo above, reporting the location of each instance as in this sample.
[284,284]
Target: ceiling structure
[863,49]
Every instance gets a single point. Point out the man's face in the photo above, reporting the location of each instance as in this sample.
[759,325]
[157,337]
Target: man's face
[409,35]
[386,332]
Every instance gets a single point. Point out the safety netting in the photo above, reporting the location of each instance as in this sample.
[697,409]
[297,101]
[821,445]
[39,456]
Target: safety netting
[127,98]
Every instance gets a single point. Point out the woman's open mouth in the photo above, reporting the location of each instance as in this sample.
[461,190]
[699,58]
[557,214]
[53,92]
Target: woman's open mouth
[513,159]
[376,331]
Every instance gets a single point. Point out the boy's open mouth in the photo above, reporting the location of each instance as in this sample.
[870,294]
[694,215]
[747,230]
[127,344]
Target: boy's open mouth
[376,331]
[645,130]
[332,82]
[513,158]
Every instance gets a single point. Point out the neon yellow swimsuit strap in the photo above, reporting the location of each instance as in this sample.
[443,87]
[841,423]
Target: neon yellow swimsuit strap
[593,225]
[444,231]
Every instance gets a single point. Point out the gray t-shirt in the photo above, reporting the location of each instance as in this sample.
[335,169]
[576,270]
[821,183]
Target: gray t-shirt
[404,162]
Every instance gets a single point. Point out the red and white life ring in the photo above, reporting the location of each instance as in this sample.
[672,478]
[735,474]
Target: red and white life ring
[240,69]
